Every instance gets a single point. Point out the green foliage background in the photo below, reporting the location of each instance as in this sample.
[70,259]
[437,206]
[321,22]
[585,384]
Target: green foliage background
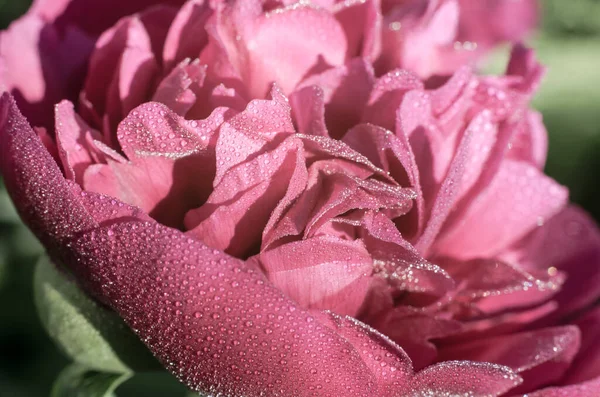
[568,43]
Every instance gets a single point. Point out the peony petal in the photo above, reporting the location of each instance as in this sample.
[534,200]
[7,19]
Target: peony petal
[321,273]
[40,66]
[459,378]
[164,150]
[387,361]
[244,198]
[516,201]
[346,90]
[310,34]
[586,389]
[568,242]
[541,357]
[36,184]
[75,142]
[308,106]
[188,23]
[92,16]
[587,362]
[413,330]
[217,324]
[178,90]
[530,141]
[361,21]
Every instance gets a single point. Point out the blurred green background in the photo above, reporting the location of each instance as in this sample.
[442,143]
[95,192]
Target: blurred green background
[568,43]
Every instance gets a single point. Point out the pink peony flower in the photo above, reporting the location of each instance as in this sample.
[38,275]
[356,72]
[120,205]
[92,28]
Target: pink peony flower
[276,208]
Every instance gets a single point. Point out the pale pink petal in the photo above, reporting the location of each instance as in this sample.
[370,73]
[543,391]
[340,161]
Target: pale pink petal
[361,21]
[321,273]
[515,202]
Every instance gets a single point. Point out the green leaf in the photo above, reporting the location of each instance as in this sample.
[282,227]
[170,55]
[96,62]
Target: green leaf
[79,381]
[8,214]
[88,333]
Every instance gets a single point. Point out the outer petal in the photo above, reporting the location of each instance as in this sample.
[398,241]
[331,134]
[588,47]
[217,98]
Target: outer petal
[587,362]
[36,184]
[586,389]
[213,320]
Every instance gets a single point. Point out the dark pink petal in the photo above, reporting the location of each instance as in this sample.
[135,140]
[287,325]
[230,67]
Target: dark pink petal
[216,322]
[75,142]
[587,362]
[516,201]
[511,21]
[40,66]
[171,163]
[541,357]
[413,331]
[458,378]
[321,273]
[586,389]
[36,185]
[187,35]
[386,97]
[92,16]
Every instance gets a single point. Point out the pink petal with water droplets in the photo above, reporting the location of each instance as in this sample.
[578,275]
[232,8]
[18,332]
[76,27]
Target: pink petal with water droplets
[387,95]
[250,340]
[386,361]
[458,378]
[244,198]
[308,107]
[164,151]
[541,357]
[513,204]
[178,89]
[36,184]
[321,273]
[394,155]
[530,141]
[75,142]
[568,242]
